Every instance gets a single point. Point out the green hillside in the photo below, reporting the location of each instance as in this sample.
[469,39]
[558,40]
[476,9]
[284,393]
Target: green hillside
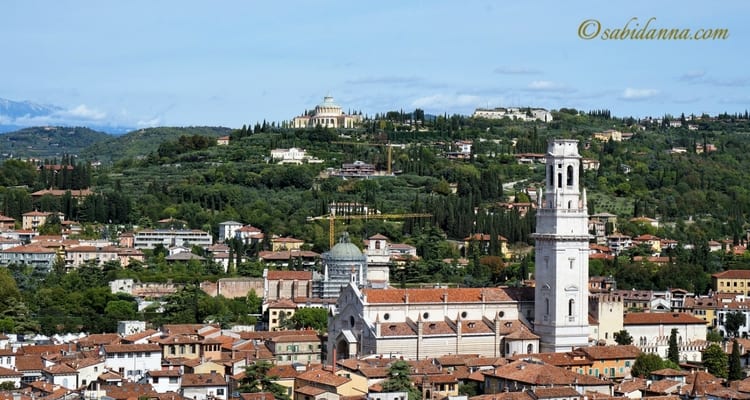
[48,142]
[141,142]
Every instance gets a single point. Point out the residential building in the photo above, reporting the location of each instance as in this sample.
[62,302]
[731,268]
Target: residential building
[522,375]
[34,219]
[483,241]
[6,223]
[356,169]
[204,386]
[165,380]
[562,253]
[228,230]
[80,255]
[731,281]
[514,113]
[612,362]
[40,257]
[292,155]
[148,238]
[132,360]
[11,376]
[286,243]
[296,349]
[607,135]
[279,311]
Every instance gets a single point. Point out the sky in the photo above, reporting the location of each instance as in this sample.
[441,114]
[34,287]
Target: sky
[227,63]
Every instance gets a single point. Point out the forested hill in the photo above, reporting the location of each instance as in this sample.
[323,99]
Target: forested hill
[142,142]
[48,142]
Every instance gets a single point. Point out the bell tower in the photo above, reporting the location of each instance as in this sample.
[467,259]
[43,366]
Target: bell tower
[561,253]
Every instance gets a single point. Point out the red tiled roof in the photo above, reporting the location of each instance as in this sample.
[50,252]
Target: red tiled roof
[5,372]
[484,237]
[454,295]
[544,375]
[129,348]
[611,352]
[202,380]
[660,318]
[289,275]
[324,377]
[31,362]
[733,274]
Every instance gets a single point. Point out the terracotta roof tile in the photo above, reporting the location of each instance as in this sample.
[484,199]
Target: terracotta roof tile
[555,392]
[660,318]
[454,295]
[733,274]
[542,374]
[610,352]
[129,348]
[202,380]
[321,376]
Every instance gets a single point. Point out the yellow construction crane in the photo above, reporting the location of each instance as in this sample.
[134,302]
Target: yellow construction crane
[333,217]
[388,146]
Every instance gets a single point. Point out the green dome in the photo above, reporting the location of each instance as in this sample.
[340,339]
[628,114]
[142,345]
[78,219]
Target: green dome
[345,250]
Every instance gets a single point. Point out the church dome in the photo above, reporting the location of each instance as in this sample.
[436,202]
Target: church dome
[345,250]
[328,108]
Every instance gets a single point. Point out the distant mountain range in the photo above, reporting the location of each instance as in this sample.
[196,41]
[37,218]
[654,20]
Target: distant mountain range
[16,115]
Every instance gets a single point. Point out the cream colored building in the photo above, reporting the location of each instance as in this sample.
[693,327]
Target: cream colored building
[327,114]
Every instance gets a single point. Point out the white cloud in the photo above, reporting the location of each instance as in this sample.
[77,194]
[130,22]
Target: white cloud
[83,112]
[149,123]
[548,86]
[692,75]
[443,101]
[514,70]
[638,94]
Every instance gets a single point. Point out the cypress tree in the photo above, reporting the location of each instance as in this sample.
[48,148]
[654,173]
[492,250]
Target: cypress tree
[735,366]
[673,354]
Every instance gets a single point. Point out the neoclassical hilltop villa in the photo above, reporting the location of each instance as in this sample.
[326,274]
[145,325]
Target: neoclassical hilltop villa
[328,115]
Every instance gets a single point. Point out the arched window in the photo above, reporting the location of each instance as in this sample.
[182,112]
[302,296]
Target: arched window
[571,306]
[570,175]
[530,348]
[551,176]
[546,306]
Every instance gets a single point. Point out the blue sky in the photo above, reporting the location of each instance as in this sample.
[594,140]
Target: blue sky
[148,63]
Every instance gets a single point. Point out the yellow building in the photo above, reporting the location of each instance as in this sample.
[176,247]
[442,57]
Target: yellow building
[610,361]
[180,346]
[732,281]
[279,311]
[483,240]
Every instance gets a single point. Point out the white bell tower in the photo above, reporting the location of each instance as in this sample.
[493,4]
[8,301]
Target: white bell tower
[561,253]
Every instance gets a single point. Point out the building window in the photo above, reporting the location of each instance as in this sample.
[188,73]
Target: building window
[570,175]
[426,315]
[530,348]
[386,316]
[571,306]
[546,306]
